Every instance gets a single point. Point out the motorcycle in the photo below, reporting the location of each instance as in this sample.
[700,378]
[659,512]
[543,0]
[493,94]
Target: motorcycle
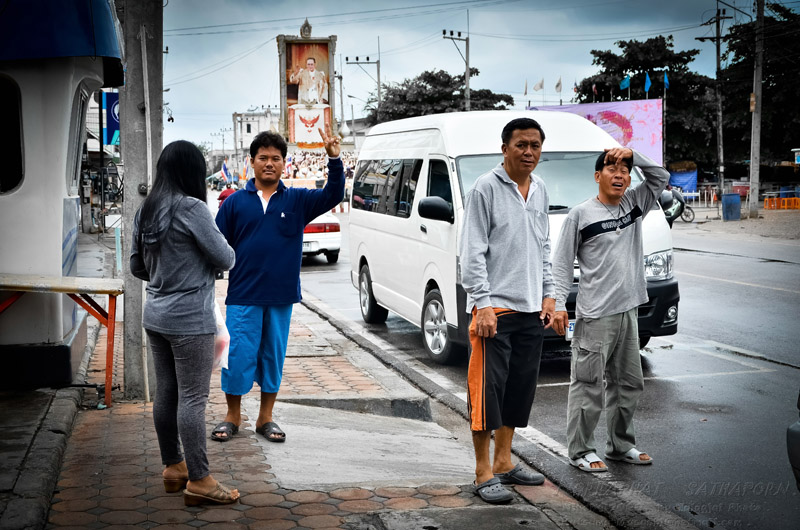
[674,206]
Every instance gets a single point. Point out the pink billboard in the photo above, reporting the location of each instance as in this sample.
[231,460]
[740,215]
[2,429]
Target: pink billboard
[637,124]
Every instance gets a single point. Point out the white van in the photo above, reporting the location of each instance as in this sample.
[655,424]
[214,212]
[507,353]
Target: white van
[406,213]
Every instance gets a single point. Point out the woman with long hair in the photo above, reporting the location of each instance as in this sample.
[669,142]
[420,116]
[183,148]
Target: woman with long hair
[178,248]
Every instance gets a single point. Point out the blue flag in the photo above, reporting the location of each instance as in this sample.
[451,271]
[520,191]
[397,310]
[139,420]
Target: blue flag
[625,83]
[666,80]
[647,82]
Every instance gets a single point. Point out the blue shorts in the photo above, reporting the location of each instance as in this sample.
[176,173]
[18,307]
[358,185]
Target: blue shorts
[259,335]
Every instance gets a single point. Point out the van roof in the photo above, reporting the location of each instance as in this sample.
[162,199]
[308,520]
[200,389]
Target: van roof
[478,132]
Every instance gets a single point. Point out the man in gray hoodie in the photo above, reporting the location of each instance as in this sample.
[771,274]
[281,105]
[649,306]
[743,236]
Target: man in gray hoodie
[506,272]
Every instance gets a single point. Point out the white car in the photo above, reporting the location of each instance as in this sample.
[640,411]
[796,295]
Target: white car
[323,236]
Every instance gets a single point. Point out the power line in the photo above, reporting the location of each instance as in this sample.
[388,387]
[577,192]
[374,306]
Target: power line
[171,84]
[361,12]
[599,36]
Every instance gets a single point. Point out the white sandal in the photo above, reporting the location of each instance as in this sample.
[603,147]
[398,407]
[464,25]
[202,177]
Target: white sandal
[584,463]
[632,457]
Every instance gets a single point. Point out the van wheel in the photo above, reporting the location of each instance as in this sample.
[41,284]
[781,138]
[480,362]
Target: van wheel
[371,312]
[643,341]
[434,330]
[332,256]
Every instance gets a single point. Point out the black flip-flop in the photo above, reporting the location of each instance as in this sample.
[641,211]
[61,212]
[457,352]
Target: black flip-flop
[227,428]
[272,432]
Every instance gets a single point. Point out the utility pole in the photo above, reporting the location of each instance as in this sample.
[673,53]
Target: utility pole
[454,36]
[755,131]
[718,89]
[338,76]
[141,129]
[377,63]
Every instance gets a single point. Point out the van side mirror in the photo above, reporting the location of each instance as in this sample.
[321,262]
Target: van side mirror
[437,209]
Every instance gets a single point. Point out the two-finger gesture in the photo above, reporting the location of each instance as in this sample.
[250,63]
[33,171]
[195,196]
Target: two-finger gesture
[331,143]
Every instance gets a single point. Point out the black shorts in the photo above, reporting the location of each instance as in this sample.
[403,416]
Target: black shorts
[503,371]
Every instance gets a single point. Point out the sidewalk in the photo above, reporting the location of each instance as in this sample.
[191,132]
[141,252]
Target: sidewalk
[361,453]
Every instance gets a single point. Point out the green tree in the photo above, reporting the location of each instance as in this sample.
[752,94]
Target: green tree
[431,92]
[689,118]
[780,107]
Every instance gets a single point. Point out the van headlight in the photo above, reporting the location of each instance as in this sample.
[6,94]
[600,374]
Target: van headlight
[658,265]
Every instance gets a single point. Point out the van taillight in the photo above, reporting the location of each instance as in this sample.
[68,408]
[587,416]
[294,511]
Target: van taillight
[321,227]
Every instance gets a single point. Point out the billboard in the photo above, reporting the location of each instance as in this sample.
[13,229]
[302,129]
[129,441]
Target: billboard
[111,121]
[637,124]
[306,69]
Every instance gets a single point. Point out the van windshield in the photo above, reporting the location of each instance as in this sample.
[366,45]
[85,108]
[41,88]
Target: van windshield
[568,176]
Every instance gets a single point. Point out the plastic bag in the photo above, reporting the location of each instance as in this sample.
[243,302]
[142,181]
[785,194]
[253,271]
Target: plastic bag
[222,340]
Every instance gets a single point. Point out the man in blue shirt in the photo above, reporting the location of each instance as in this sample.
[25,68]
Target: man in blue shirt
[264,225]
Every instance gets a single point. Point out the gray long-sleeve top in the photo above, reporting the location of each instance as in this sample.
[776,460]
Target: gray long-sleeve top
[505,244]
[183,248]
[611,264]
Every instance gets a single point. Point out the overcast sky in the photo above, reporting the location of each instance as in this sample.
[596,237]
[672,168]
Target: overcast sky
[223,57]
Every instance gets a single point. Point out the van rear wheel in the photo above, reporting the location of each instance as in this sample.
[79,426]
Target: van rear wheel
[371,312]
[434,330]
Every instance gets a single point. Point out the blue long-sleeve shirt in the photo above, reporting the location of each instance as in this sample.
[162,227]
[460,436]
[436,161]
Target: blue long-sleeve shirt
[269,245]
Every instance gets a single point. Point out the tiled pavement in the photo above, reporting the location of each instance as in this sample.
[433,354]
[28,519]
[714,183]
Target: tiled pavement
[111,472]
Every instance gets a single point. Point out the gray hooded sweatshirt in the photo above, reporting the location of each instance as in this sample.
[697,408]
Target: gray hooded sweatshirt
[181,251]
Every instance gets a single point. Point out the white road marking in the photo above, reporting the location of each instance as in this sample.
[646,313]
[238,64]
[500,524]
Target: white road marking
[746,284]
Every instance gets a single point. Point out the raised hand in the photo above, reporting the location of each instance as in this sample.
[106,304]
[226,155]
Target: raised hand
[331,143]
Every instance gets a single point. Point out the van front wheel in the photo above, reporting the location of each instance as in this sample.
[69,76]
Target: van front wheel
[371,312]
[434,330]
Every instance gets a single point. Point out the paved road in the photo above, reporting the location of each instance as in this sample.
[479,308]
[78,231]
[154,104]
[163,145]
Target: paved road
[719,394]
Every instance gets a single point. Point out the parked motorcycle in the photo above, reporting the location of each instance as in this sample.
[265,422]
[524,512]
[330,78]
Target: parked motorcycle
[674,205]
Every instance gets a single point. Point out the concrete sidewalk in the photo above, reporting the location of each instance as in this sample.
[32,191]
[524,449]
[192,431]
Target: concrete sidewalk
[361,452]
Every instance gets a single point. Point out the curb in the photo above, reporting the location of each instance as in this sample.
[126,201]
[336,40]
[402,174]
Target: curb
[624,507]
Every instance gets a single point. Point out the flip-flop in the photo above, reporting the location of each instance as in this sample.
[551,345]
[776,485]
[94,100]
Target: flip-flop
[493,492]
[219,494]
[227,428]
[584,463]
[631,457]
[520,476]
[272,432]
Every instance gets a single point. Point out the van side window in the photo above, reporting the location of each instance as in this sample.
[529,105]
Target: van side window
[386,186]
[405,200]
[392,170]
[368,186]
[439,181]
[11,146]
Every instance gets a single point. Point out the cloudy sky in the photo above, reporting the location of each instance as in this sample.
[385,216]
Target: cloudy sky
[223,57]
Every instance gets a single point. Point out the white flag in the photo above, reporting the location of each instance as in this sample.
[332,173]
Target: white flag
[539,85]
[558,86]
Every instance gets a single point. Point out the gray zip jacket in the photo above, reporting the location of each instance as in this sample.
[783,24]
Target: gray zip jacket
[505,244]
[182,249]
[612,277]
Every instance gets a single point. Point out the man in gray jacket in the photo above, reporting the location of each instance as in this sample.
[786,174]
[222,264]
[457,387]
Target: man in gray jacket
[605,233]
[506,272]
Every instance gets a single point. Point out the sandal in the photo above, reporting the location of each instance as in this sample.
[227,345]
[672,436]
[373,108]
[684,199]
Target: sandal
[219,494]
[632,457]
[493,492]
[584,463]
[272,432]
[174,485]
[520,476]
[225,428]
